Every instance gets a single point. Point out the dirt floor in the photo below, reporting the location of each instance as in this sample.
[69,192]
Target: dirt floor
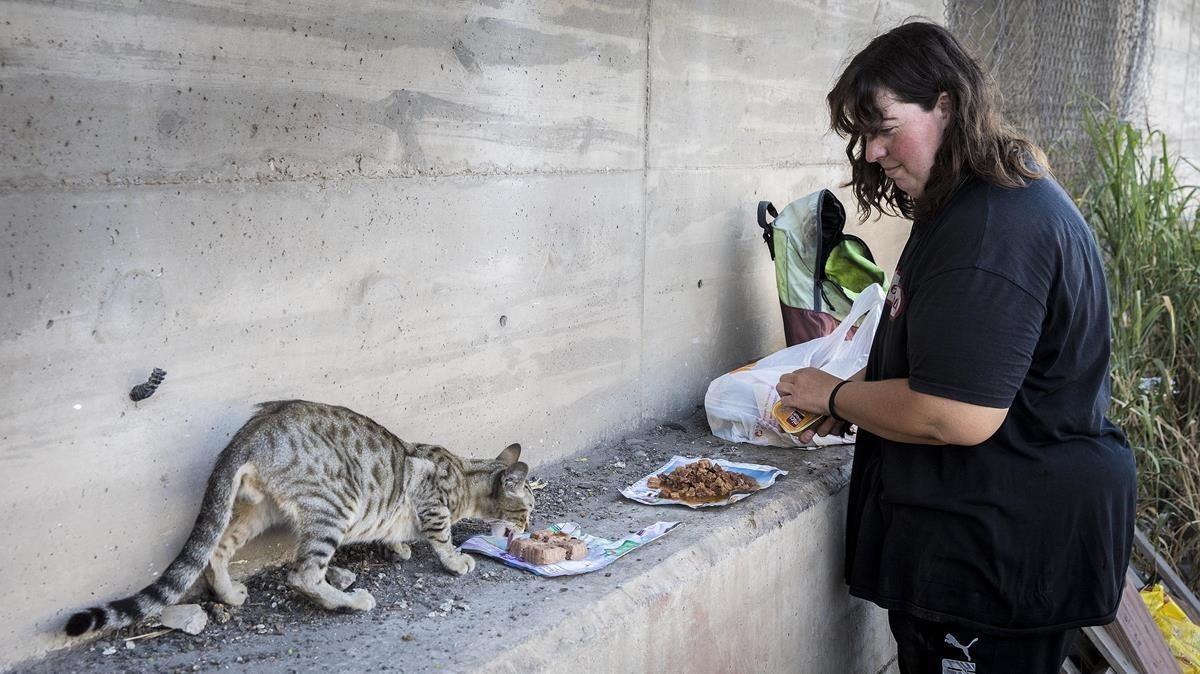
[423,614]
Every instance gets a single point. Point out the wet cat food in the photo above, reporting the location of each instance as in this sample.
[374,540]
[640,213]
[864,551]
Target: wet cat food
[547,547]
[699,482]
[576,549]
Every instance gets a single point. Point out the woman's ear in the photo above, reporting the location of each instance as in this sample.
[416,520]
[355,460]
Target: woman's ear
[944,106]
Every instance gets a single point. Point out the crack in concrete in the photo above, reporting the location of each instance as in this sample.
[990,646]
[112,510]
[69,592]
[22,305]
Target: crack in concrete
[10,187]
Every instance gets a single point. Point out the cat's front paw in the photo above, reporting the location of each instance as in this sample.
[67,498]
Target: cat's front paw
[398,552]
[360,600]
[459,563]
[234,595]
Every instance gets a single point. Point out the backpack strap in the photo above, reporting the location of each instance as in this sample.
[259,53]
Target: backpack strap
[831,219]
[765,208]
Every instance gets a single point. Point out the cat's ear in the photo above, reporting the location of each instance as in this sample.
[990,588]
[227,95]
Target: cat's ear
[510,454]
[513,480]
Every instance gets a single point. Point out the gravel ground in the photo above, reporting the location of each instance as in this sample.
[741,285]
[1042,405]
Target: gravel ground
[417,601]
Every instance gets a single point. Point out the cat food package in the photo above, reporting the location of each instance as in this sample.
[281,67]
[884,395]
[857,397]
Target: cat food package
[600,551]
[651,489]
[793,420]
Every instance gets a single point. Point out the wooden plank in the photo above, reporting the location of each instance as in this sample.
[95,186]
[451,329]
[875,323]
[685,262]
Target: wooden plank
[1109,649]
[1138,637]
[1132,576]
[1175,586]
[1069,667]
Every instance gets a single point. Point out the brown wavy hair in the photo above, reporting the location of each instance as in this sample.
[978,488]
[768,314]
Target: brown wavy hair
[917,62]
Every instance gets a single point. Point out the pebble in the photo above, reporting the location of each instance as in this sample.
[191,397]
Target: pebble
[110,650]
[188,618]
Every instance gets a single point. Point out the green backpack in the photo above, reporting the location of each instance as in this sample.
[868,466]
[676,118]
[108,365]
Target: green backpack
[819,269]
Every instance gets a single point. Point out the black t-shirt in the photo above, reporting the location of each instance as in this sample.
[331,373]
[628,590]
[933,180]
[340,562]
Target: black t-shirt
[998,301]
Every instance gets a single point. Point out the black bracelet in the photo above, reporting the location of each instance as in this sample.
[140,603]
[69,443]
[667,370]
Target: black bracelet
[832,394]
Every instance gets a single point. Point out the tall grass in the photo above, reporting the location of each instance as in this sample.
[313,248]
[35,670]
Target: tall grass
[1148,228]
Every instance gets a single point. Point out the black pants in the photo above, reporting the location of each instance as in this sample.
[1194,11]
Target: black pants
[946,648]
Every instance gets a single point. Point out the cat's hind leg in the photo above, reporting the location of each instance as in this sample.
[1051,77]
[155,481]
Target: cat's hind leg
[319,539]
[248,521]
[397,551]
[435,524]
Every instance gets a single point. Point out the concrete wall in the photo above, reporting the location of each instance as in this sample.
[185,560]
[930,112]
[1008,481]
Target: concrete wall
[475,222]
[1173,105]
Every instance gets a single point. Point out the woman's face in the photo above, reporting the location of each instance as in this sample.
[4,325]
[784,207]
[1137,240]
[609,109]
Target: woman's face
[908,140]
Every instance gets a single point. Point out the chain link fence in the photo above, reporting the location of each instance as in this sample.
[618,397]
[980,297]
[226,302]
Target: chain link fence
[1051,60]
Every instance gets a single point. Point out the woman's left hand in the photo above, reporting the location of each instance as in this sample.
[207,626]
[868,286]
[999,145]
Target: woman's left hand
[807,389]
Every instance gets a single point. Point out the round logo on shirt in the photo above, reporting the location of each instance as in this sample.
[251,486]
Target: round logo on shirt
[895,297]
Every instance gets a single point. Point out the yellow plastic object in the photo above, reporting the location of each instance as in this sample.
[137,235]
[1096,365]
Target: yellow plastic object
[1183,636]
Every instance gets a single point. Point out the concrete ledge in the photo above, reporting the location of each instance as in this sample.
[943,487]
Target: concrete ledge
[751,587]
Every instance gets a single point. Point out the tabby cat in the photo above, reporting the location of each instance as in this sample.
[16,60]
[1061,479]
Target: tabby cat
[336,477]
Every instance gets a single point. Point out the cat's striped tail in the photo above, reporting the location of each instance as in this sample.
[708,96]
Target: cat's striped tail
[214,516]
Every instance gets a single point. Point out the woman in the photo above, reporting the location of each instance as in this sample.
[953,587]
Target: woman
[991,503]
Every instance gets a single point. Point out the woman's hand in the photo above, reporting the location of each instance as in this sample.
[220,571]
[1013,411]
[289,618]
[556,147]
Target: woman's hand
[827,426]
[808,389]
[890,409]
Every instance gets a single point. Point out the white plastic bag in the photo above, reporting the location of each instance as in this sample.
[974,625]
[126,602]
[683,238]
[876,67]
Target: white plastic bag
[739,403]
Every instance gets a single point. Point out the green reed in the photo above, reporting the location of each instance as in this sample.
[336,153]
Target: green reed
[1148,228]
